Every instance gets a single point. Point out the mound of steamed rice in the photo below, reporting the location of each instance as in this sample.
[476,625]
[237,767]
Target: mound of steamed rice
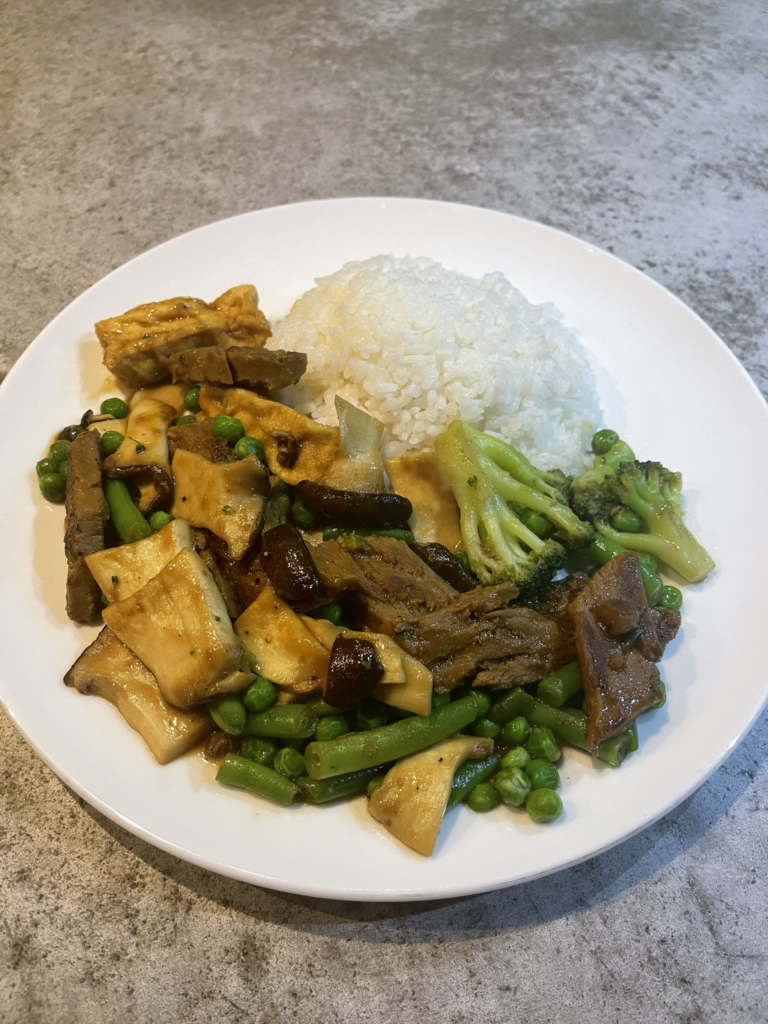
[418,346]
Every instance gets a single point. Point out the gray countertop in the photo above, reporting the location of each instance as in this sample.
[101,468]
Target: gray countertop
[637,126]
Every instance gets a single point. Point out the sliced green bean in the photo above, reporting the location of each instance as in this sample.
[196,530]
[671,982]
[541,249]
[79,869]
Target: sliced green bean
[128,521]
[237,770]
[559,687]
[256,748]
[323,709]
[284,722]
[469,775]
[389,742]
[320,791]
[228,712]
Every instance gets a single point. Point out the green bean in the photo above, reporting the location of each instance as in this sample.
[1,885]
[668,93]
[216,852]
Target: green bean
[603,441]
[671,598]
[259,694]
[322,708]
[615,749]
[388,743]
[320,791]
[512,785]
[559,687]
[283,721]
[516,757]
[660,703]
[249,446]
[542,743]
[634,739]
[371,714]
[626,521]
[332,612]
[228,427]
[537,524]
[192,399]
[256,748]
[333,532]
[485,727]
[303,514]
[59,451]
[185,420]
[128,521]
[602,550]
[542,774]
[469,775]
[516,731]
[159,520]
[483,798]
[288,761]
[228,712]
[544,805]
[115,407]
[53,487]
[110,441]
[237,770]
[330,727]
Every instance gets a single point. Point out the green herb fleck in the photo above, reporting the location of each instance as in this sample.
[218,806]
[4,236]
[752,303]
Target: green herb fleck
[115,580]
[472,481]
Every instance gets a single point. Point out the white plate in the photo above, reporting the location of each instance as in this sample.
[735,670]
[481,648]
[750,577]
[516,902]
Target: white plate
[666,383]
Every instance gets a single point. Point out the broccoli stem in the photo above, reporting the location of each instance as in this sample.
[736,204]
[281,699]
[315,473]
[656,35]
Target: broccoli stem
[671,541]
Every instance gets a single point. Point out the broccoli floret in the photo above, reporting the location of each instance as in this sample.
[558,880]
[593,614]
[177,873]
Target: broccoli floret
[491,480]
[592,496]
[655,494]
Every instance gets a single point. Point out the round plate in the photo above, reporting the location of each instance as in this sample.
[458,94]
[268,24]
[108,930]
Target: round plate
[666,382]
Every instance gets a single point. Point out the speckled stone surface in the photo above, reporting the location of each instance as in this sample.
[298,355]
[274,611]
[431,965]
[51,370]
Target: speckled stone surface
[638,126]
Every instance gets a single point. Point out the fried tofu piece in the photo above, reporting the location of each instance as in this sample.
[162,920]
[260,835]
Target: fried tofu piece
[435,518]
[138,345]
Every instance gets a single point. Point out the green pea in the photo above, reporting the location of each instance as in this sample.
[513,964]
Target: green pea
[603,441]
[333,612]
[483,798]
[537,524]
[260,749]
[192,399]
[517,757]
[542,744]
[626,521]
[304,515]
[671,598]
[513,786]
[182,421]
[542,774]
[114,407]
[374,784]
[517,731]
[259,694]
[46,466]
[228,713]
[110,441]
[485,727]
[289,762]
[249,446]
[483,701]
[160,519]
[58,451]
[544,805]
[331,727]
[371,715]
[439,700]
[53,487]
[228,427]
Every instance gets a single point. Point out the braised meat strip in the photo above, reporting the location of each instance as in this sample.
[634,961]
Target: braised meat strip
[240,364]
[618,683]
[86,513]
[198,439]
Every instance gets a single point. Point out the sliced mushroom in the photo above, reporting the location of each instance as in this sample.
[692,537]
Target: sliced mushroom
[357,464]
[123,570]
[110,670]
[388,651]
[171,394]
[138,345]
[178,625]
[354,507]
[280,645]
[435,517]
[411,801]
[415,694]
[261,417]
[288,564]
[354,671]
[143,455]
[287,448]
[227,498]
[447,566]
[86,511]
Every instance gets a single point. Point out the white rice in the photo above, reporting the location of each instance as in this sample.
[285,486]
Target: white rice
[418,346]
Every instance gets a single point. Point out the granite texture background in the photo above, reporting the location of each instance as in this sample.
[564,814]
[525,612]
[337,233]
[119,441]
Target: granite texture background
[637,126]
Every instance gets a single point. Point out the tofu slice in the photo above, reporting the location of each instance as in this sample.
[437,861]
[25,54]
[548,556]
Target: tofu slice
[411,801]
[435,518]
[227,498]
[122,571]
[281,647]
[178,625]
[110,670]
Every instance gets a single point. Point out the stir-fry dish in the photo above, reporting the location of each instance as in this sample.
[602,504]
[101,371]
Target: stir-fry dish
[427,629]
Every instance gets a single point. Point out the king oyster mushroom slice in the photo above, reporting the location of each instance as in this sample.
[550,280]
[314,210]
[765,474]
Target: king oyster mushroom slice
[227,498]
[123,570]
[357,464]
[171,394]
[110,670]
[262,418]
[411,801]
[143,455]
[280,646]
[178,625]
